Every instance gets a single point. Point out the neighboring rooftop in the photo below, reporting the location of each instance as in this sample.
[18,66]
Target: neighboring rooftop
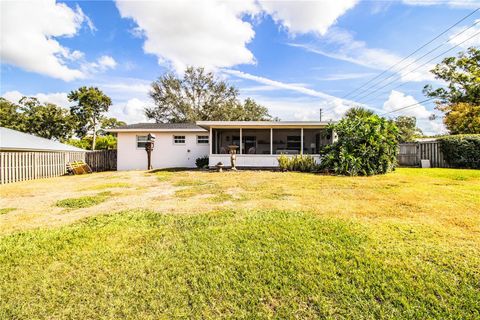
[158,127]
[13,140]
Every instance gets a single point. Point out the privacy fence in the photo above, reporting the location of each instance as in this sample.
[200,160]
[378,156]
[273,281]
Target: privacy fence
[410,154]
[21,166]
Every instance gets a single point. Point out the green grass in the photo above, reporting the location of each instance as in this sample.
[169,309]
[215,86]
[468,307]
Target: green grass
[107,186]
[84,202]
[247,244]
[6,210]
[223,264]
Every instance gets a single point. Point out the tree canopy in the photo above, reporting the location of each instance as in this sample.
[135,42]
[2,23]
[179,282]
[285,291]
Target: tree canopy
[45,120]
[407,128]
[91,103]
[460,98]
[199,95]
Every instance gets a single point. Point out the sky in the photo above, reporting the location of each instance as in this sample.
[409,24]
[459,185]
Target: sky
[293,57]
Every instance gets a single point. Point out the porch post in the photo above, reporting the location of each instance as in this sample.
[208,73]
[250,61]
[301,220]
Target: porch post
[271,141]
[211,141]
[241,141]
[301,141]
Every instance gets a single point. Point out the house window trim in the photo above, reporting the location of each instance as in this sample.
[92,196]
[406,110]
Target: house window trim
[136,141]
[203,143]
[179,143]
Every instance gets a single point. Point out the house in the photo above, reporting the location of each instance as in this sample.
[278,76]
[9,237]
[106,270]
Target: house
[180,144]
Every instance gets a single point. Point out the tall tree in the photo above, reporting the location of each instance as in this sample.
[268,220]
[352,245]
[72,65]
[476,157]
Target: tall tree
[460,98]
[10,117]
[91,104]
[45,120]
[407,128]
[199,96]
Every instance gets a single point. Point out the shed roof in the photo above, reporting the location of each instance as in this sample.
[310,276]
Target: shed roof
[19,141]
[143,127]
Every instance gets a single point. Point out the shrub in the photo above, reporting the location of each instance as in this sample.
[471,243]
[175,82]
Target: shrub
[302,163]
[462,151]
[202,162]
[366,145]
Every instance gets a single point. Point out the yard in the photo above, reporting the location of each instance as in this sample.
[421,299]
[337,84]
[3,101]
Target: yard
[247,244]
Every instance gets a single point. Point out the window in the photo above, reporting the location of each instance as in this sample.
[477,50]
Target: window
[202,139]
[141,141]
[179,139]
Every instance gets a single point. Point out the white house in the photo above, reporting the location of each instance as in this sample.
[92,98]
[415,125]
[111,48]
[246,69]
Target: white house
[180,144]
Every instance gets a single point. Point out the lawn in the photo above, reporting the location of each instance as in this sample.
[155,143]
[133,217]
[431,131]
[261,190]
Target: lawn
[248,244]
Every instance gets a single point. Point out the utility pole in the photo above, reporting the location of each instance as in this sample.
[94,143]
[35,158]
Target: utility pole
[320,114]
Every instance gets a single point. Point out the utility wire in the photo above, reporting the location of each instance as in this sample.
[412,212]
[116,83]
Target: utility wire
[409,106]
[459,44]
[362,96]
[423,46]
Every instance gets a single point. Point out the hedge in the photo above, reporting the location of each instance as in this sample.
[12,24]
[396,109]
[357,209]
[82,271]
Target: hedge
[461,151]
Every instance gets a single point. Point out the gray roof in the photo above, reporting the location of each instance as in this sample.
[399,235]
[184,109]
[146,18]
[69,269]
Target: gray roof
[159,126]
[18,141]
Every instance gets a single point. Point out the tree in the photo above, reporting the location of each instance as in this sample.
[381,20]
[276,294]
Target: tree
[107,142]
[366,145]
[45,120]
[110,123]
[407,128]
[10,117]
[460,99]
[199,96]
[91,104]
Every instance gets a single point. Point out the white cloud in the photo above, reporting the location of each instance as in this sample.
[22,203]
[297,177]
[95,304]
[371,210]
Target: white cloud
[107,62]
[131,111]
[278,84]
[345,76]
[343,46]
[451,3]
[199,33]
[28,40]
[213,33]
[399,99]
[470,36]
[58,98]
[306,16]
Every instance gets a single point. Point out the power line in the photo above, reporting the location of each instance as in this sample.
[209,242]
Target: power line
[395,80]
[409,106]
[423,46]
[362,96]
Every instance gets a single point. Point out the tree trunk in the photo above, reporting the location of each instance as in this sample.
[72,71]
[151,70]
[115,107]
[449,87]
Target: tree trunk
[94,134]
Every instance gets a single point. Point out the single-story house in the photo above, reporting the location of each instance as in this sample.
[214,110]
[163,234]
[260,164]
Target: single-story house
[180,144]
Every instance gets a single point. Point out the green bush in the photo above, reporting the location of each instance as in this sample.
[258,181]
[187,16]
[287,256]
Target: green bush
[462,151]
[202,162]
[302,163]
[366,145]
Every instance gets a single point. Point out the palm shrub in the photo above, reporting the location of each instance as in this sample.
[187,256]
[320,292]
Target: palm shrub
[302,163]
[367,144]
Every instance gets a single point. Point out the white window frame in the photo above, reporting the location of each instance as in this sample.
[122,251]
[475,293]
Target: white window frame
[175,137]
[203,138]
[136,141]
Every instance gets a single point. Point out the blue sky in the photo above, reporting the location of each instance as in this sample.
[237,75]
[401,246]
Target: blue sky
[294,57]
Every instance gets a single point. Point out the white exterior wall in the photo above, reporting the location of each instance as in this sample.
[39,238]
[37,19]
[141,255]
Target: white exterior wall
[166,154]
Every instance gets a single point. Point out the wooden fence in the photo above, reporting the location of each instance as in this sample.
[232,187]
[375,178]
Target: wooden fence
[410,154]
[22,166]
[102,160]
